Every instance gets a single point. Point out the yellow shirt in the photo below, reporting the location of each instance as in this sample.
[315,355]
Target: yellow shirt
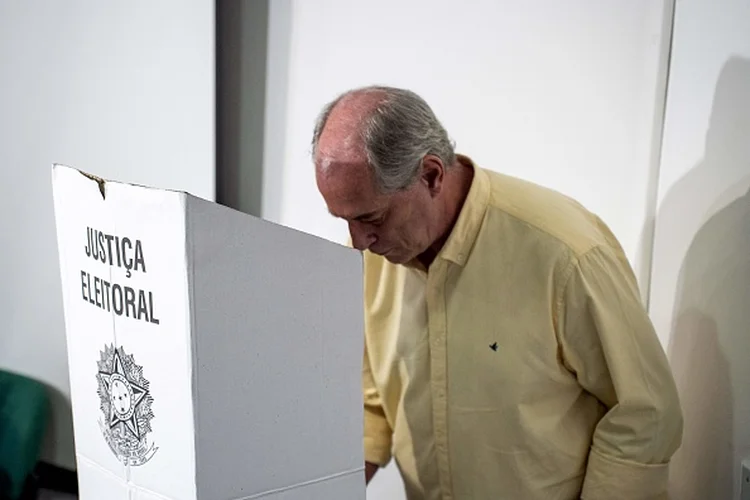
[522,365]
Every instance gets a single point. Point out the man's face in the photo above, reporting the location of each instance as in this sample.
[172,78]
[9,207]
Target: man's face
[396,226]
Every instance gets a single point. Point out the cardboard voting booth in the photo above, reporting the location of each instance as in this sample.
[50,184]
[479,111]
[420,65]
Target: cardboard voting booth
[212,355]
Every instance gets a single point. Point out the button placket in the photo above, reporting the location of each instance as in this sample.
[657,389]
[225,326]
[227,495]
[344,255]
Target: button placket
[438,362]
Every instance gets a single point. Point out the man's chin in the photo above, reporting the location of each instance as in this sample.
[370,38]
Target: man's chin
[393,256]
[396,258]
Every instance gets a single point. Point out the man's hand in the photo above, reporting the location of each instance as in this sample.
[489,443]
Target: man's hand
[370,470]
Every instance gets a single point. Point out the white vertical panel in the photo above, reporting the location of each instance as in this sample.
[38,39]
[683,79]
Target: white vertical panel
[700,287]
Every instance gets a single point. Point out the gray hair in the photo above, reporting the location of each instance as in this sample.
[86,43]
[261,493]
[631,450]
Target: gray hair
[398,133]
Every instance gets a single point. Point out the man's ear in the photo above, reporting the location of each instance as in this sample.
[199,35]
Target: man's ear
[433,174]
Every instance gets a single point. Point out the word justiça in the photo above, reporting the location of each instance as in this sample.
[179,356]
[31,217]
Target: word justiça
[99,247]
[123,300]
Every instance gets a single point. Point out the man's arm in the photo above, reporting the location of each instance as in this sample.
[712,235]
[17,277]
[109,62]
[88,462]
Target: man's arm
[377,431]
[608,341]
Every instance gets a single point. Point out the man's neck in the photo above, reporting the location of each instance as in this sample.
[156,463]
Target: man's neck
[458,183]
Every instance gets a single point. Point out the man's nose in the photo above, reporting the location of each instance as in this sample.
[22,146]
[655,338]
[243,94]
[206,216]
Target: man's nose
[362,237]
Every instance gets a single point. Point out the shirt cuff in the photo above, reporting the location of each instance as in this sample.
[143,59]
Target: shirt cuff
[609,478]
[377,439]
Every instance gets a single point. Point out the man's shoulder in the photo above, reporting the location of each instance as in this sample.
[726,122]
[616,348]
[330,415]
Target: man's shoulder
[532,210]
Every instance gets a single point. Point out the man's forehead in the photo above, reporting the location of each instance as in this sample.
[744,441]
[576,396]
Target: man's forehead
[348,184]
[348,189]
[340,156]
[342,145]
[342,133]
[341,162]
[347,165]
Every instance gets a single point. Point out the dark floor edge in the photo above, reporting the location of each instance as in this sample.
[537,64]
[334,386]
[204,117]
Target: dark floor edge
[53,477]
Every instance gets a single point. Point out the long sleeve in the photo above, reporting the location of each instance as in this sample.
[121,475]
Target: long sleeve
[608,341]
[378,433]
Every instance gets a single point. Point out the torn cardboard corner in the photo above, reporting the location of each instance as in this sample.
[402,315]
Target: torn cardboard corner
[101,182]
[212,355]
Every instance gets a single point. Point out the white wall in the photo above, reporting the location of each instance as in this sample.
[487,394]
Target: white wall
[700,290]
[125,90]
[562,93]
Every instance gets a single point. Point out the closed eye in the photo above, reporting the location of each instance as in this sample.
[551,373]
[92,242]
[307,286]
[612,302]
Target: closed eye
[375,221]
[371,218]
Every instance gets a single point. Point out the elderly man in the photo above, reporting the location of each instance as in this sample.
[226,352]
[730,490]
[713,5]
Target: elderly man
[508,354]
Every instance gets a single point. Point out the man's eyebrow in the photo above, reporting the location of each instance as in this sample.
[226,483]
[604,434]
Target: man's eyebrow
[358,217]
[368,215]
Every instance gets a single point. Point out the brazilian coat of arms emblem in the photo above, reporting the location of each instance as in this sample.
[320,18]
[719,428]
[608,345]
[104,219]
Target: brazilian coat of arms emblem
[126,407]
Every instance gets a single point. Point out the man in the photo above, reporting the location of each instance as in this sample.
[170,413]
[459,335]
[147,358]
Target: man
[508,355]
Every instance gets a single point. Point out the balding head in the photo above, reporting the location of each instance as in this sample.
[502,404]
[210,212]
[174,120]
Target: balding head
[391,129]
[380,158]
[340,132]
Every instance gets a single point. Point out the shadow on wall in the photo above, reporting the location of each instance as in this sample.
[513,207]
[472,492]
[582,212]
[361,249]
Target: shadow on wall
[709,341]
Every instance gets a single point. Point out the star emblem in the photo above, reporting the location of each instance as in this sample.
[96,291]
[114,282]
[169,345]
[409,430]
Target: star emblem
[124,397]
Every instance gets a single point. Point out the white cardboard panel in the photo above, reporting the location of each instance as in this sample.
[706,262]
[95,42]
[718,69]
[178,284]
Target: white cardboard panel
[335,487]
[137,237]
[277,316]
[212,355]
[162,350]
[95,482]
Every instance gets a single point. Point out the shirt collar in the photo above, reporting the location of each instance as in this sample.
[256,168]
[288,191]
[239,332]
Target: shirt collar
[464,233]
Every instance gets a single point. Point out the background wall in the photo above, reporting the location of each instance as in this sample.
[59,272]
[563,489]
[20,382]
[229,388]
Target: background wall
[124,90]
[566,94]
[700,289]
